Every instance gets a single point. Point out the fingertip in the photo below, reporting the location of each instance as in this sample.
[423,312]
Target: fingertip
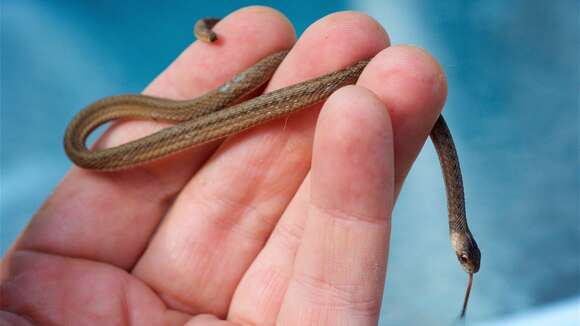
[333,42]
[363,25]
[407,78]
[257,24]
[413,86]
[353,154]
[356,105]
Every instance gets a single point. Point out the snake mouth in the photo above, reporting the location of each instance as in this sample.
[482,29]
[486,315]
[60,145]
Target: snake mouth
[467,293]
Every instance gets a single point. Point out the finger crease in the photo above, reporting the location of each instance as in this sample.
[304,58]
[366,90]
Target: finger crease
[341,214]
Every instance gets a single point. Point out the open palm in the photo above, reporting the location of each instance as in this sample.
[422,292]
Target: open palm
[286,223]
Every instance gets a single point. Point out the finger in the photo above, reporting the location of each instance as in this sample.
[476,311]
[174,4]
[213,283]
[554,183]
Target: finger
[110,217]
[412,85]
[232,204]
[340,264]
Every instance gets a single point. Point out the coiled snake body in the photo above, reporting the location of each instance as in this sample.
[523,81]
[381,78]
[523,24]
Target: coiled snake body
[212,116]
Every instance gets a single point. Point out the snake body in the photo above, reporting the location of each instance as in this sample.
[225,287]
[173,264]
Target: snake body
[216,115]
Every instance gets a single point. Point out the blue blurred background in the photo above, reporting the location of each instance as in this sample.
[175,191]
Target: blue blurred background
[513,70]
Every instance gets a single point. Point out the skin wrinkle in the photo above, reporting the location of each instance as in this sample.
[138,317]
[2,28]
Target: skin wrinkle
[272,286]
[348,216]
[325,293]
[290,234]
[182,300]
[239,211]
[333,267]
[269,297]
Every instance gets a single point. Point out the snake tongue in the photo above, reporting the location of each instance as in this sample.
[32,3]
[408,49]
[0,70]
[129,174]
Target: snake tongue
[467,292]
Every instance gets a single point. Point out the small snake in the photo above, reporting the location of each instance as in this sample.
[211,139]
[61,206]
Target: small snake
[217,114]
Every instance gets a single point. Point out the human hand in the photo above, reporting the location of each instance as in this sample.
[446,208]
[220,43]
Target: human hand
[286,223]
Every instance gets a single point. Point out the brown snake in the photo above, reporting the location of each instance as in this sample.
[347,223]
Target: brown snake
[215,115]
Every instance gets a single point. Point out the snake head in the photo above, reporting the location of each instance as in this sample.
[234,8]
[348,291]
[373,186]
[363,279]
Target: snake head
[467,252]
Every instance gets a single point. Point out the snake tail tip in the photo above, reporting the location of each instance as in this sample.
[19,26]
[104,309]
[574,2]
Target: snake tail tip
[212,37]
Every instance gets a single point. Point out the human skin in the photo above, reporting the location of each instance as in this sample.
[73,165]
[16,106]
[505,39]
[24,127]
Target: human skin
[286,223]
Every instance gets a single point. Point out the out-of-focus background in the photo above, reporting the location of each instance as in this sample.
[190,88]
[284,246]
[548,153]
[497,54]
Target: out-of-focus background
[513,105]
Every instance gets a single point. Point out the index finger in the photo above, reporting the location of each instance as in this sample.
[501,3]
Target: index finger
[110,217]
